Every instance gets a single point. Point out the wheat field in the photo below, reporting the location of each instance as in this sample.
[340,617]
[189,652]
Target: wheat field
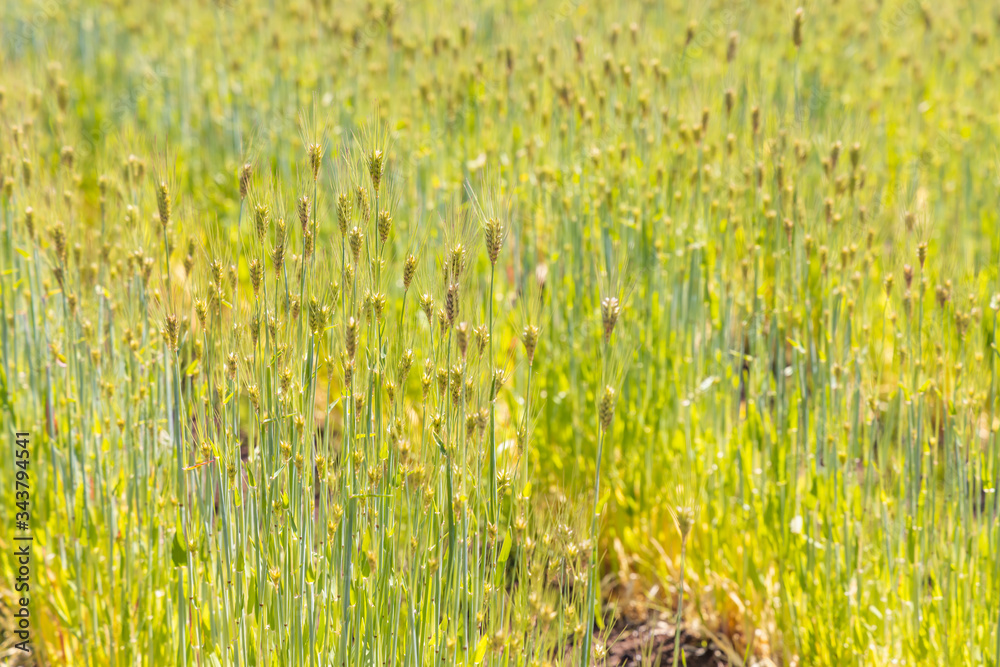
[527,333]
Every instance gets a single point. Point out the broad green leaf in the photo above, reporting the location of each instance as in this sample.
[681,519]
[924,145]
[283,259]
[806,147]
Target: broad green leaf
[504,549]
[481,647]
[177,551]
